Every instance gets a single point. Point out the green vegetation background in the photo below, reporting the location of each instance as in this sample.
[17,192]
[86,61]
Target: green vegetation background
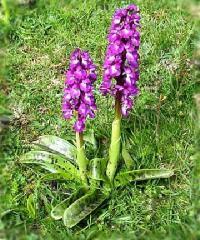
[36,45]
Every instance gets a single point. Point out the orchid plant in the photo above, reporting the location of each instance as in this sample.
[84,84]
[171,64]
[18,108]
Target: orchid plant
[96,177]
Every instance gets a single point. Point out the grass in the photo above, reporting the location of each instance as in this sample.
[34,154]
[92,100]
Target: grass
[39,41]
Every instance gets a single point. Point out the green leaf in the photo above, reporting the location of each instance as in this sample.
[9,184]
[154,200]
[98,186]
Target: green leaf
[141,174]
[31,206]
[97,168]
[90,138]
[53,176]
[57,145]
[82,207]
[58,211]
[127,158]
[51,162]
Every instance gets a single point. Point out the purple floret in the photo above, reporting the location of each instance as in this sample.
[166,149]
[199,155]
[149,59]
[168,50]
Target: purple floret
[122,57]
[78,91]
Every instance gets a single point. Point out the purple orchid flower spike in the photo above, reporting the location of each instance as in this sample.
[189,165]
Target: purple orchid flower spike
[121,64]
[122,57]
[78,92]
[79,99]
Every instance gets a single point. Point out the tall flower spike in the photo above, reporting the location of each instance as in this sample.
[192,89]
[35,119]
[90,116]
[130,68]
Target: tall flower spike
[78,95]
[121,63]
[122,58]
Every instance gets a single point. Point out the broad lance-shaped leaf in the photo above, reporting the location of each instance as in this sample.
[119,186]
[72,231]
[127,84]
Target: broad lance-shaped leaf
[51,162]
[82,207]
[141,174]
[58,211]
[97,168]
[57,145]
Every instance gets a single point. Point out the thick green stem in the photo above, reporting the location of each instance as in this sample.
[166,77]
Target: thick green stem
[82,161]
[114,150]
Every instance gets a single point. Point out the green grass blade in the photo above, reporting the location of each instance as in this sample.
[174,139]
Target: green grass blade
[82,207]
[51,162]
[141,174]
[4,111]
[31,206]
[127,158]
[58,211]
[57,145]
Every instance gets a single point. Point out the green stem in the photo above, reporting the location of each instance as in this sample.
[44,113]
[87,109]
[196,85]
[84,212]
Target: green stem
[82,161]
[114,150]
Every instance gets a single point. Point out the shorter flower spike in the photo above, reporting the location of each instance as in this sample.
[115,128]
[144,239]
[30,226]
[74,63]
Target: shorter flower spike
[78,95]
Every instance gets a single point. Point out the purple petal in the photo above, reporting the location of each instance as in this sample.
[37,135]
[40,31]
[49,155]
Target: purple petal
[83,110]
[67,112]
[133,7]
[75,93]
[80,73]
[85,87]
[126,33]
[87,99]
[114,70]
[79,125]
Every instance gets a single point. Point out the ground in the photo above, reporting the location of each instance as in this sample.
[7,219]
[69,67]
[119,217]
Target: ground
[37,44]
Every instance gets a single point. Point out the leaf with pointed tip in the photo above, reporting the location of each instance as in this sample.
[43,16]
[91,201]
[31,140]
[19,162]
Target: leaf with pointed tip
[51,162]
[57,145]
[97,168]
[82,207]
[58,211]
[142,174]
